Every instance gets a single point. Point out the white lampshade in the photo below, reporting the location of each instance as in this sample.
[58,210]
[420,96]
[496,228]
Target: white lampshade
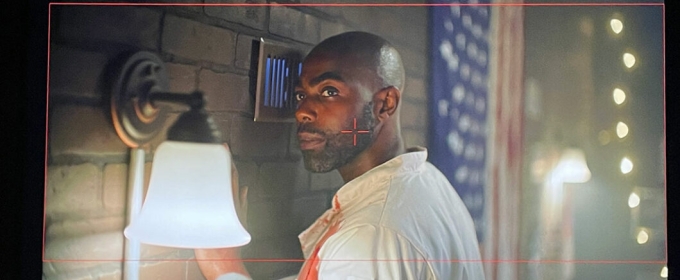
[189,203]
[572,167]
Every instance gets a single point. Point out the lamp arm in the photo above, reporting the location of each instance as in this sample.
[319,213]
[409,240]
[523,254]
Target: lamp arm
[194,100]
[135,197]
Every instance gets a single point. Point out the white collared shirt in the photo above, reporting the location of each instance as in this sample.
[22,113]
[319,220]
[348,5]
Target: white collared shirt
[400,220]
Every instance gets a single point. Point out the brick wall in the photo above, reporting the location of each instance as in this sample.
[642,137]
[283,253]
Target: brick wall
[205,48]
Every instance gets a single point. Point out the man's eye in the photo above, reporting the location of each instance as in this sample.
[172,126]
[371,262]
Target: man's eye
[299,96]
[329,91]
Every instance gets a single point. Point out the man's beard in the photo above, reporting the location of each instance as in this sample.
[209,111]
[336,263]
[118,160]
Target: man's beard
[340,149]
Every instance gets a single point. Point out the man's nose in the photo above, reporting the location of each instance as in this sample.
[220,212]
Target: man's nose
[305,112]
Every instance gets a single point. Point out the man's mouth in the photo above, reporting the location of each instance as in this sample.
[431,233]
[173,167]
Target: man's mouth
[310,141]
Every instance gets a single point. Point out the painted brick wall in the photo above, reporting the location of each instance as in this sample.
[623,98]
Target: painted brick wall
[205,48]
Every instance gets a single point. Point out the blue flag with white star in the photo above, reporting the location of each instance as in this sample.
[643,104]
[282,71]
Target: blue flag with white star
[458,100]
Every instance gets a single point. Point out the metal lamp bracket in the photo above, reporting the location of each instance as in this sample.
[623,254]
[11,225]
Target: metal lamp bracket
[135,118]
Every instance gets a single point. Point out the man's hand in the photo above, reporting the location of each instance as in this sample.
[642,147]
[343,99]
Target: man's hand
[216,262]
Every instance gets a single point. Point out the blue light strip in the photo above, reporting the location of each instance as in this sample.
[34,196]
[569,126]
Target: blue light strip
[279,84]
[267,75]
[276,81]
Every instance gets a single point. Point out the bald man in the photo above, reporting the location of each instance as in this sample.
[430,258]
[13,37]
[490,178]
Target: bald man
[397,216]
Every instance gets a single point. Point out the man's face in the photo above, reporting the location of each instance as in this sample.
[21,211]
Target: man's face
[331,96]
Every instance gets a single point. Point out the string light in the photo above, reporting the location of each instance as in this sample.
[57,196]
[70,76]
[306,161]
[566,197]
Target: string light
[626,165]
[616,25]
[642,237]
[628,60]
[633,200]
[619,96]
[664,272]
[621,130]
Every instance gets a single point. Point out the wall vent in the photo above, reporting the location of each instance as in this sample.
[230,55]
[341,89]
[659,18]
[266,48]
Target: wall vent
[278,68]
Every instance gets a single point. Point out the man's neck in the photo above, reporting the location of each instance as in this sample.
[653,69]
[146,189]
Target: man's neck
[380,152]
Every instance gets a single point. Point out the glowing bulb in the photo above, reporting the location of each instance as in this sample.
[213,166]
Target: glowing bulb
[628,60]
[626,165]
[621,129]
[619,96]
[664,272]
[616,25]
[642,237]
[633,200]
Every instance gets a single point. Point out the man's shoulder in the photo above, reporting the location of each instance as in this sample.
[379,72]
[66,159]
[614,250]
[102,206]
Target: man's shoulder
[427,173]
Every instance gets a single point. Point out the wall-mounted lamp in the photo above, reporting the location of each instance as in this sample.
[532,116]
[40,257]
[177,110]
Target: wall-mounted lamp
[189,203]
[572,167]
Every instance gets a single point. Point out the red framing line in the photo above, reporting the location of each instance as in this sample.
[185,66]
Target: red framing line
[354,4]
[387,260]
[47,110]
[362,131]
[495,208]
[354,131]
[665,158]
[521,144]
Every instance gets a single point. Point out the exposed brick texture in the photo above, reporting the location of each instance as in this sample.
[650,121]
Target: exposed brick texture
[188,8]
[333,12]
[95,247]
[291,23]
[83,131]
[279,180]
[134,26]
[329,29]
[182,77]
[111,276]
[244,45]
[81,227]
[226,92]
[162,270]
[152,252]
[194,40]
[252,139]
[254,17]
[75,73]
[73,191]
[115,187]
[360,18]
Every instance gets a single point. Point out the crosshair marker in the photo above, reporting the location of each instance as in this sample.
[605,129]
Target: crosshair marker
[355,131]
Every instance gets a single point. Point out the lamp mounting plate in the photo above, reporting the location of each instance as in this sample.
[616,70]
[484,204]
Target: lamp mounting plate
[135,118]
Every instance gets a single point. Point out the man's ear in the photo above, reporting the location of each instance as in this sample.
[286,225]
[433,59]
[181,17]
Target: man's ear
[386,102]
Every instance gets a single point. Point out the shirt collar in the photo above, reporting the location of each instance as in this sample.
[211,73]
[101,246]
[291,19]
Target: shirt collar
[374,180]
